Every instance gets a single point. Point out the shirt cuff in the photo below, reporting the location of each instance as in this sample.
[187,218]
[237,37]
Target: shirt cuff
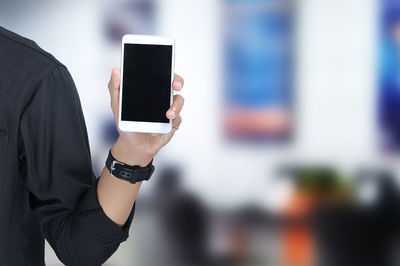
[89,205]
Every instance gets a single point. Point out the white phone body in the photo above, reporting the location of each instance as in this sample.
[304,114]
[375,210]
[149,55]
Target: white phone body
[140,126]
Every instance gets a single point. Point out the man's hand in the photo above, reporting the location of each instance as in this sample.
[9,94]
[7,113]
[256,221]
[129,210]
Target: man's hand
[116,196]
[140,148]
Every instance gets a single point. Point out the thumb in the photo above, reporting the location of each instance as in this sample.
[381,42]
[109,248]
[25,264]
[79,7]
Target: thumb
[113,87]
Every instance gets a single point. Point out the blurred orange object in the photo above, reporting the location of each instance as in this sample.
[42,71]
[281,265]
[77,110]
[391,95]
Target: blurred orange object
[297,242]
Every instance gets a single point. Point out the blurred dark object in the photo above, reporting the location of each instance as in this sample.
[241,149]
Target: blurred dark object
[184,221]
[250,232]
[197,236]
[128,17]
[350,233]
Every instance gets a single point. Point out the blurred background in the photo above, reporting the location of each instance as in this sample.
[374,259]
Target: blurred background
[289,149]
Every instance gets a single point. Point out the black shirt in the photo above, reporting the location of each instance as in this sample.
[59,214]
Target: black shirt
[47,185]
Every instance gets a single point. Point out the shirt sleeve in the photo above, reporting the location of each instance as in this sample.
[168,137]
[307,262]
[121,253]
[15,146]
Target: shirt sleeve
[59,176]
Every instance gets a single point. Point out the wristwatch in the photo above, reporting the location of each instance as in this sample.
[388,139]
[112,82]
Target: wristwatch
[132,174]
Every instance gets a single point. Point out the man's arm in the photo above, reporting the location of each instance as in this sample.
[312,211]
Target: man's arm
[83,218]
[116,196]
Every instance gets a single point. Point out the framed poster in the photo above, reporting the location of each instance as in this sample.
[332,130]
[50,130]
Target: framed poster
[258,68]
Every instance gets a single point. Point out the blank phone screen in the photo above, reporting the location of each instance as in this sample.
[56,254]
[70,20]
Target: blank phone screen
[146,83]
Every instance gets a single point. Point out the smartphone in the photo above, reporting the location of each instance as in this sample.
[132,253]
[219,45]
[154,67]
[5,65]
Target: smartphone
[147,73]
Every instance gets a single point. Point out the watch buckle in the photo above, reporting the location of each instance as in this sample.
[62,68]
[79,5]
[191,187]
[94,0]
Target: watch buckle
[113,165]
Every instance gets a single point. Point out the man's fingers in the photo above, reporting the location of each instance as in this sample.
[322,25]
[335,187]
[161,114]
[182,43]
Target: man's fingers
[176,107]
[175,126]
[177,122]
[115,79]
[178,83]
[113,87]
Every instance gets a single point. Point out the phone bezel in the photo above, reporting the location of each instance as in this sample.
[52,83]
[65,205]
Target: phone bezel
[139,126]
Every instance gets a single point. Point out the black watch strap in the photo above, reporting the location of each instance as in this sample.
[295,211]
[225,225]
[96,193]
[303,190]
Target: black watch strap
[132,174]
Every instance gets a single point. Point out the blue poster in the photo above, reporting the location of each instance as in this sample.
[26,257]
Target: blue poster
[258,69]
[389,77]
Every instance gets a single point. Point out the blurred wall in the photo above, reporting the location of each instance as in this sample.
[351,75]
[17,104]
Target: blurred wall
[334,92]
[336,78]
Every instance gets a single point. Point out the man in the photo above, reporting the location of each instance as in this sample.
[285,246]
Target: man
[47,186]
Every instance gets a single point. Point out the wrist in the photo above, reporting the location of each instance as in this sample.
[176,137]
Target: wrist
[125,153]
